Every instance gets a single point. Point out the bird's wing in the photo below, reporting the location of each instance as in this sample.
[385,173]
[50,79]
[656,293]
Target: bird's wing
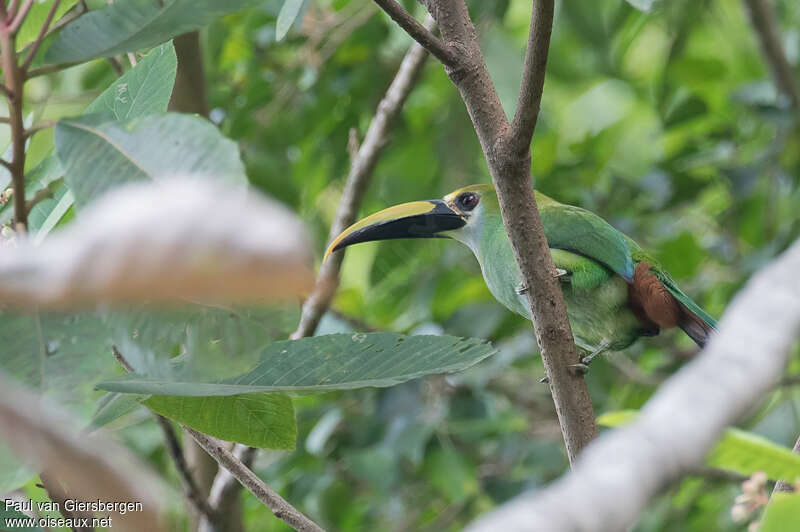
[583,232]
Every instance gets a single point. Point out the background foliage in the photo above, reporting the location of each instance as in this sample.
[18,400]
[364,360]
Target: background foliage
[664,122]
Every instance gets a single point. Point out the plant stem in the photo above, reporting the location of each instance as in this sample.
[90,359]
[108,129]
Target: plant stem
[14,81]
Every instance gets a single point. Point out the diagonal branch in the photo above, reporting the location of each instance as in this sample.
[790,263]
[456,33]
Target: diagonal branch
[361,167]
[530,94]
[418,32]
[40,37]
[765,23]
[617,475]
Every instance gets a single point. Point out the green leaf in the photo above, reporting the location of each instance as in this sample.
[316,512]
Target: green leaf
[739,451]
[134,25]
[13,473]
[747,453]
[286,17]
[782,513]
[142,90]
[258,419]
[332,362]
[98,153]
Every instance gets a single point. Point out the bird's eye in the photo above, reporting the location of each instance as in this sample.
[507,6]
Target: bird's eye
[468,201]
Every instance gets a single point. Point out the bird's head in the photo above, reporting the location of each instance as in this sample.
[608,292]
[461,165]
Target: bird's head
[457,215]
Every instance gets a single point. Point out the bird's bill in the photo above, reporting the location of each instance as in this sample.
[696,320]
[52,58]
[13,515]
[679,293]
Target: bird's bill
[417,219]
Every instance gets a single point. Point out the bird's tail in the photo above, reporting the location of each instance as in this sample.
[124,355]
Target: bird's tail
[694,321]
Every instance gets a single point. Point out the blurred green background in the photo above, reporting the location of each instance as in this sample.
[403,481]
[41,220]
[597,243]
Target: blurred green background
[666,123]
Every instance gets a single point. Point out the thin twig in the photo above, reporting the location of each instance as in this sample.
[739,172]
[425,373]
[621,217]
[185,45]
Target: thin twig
[225,487]
[620,472]
[277,504]
[35,128]
[19,18]
[116,65]
[765,23]
[190,488]
[77,12]
[40,196]
[419,33]
[40,37]
[361,168]
[49,69]
[530,94]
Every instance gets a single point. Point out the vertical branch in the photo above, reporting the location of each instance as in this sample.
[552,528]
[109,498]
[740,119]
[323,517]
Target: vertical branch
[783,485]
[765,24]
[14,80]
[506,148]
[361,167]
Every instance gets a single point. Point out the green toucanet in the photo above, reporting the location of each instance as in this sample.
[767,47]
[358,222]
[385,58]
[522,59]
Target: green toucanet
[615,292]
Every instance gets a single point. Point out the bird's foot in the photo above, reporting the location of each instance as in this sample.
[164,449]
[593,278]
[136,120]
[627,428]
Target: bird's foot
[521,288]
[544,380]
[562,275]
[579,370]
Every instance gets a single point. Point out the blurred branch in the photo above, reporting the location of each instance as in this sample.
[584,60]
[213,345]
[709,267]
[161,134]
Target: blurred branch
[189,94]
[279,506]
[617,475]
[765,24]
[56,493]
[361,167]
[506,148]
[40,37]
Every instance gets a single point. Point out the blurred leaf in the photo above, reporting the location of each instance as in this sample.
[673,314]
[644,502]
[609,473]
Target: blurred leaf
[155,242]
[642,5]
[782,514]
[286,17]
[144,89]
[8,512]
[452,474]
[113,406]
[258,420]
[738,451]
[98,153]
[92,467]
[13,473]
[333,362]
[133,25]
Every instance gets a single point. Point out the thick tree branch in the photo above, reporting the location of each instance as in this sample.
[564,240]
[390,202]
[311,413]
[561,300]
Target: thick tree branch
[510,169]
[418,32]
[617,475]
[282,509]
[530,94]
[361,167]
[765,23]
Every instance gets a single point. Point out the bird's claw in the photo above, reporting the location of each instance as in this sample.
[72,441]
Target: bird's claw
[561,274]
[521,288]
[544,380]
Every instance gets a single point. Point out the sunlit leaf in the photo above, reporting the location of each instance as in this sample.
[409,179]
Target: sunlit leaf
[782,514]
[286,17]
[258,419]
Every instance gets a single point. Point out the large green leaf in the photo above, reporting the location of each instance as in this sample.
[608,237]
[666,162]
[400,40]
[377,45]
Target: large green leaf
[13,473]
[35,19]
[331,362]
[737,451]
[286,17]
[782,513]
[134,25]
[142,90]
[98,153]
[257,419]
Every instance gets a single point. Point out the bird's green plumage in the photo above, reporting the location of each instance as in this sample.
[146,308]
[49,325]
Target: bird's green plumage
[612,296]
[599,259]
